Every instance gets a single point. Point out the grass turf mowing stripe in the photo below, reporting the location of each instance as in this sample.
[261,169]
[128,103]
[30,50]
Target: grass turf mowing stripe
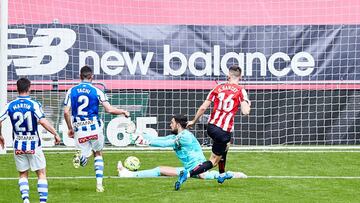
[251,177]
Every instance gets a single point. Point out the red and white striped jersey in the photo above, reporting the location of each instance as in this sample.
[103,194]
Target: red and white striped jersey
[227,99]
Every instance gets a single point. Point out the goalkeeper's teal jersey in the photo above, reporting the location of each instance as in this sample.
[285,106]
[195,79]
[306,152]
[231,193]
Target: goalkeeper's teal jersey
[185,145]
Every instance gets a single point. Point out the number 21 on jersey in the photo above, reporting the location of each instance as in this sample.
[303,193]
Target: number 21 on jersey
[20,117]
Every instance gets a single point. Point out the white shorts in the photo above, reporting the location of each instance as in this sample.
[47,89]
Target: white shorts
[91,141]
[34,161]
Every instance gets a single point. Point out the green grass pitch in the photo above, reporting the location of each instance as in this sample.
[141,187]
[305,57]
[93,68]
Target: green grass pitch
[254,189]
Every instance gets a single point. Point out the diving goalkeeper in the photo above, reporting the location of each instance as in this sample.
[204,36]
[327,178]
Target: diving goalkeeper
[186,147]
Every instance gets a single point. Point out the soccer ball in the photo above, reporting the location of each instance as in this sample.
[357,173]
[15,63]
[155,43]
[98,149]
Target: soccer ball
[132,163]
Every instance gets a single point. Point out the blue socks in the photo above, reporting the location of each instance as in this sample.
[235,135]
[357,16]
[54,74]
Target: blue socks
[155,172]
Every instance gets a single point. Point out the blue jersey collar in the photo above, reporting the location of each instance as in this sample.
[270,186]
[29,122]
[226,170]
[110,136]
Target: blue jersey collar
[24,97]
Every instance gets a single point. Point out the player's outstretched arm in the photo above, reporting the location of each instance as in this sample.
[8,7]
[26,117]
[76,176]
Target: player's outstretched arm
[2,140]
[45,123]
[199,113]
[67,116]
[115,111]
[167,141]
[245,107]
[154,141]
[3,116]
[245,104]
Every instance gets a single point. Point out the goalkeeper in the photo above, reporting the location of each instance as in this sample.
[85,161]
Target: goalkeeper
[186,147]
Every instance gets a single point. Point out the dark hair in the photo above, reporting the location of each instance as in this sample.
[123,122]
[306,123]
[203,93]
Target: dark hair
[85,72]
[235,70]
[181,119]
[23,85]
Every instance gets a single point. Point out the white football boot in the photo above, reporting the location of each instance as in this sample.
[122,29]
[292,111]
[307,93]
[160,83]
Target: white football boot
[124,172]
[76,160]
[100,188]
[238,174]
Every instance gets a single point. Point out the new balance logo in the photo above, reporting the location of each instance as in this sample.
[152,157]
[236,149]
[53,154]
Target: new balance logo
[44,55]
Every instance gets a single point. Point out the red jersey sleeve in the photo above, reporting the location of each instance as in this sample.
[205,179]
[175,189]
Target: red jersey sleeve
[243,96]
[212,95]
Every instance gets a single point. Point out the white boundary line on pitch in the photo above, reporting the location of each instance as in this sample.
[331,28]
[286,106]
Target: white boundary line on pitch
[305,177]
[231,151]
[251,177]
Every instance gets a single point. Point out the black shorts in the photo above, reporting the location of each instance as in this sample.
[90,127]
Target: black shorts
[220,137]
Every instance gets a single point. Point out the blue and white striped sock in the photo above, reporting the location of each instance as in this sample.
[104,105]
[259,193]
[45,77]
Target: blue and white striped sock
[24,188]
[43,190]
[83,160]
[99,169]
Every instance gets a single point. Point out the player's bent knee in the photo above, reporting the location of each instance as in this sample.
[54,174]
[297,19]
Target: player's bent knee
[41,173]
[215,159]
[219,149]
[98,153]
[24,174]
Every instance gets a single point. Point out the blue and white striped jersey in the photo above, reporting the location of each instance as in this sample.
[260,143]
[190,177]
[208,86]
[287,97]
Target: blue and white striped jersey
[84,100]
[24,114]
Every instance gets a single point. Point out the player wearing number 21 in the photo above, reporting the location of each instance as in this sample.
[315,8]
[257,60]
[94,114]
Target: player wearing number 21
[227,98]
[84,124]
[25,114]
